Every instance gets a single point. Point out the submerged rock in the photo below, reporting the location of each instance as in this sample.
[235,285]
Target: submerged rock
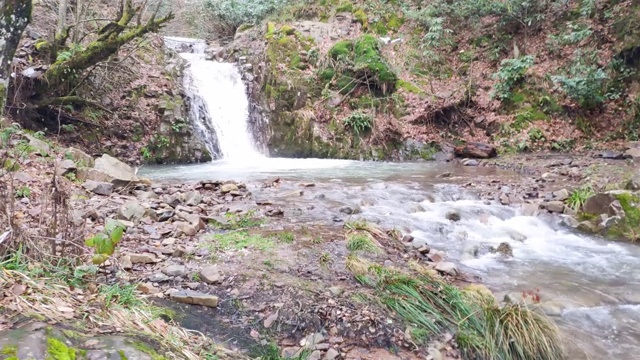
[453,216]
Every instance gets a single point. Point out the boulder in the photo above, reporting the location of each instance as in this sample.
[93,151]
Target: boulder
[555,206]
[226,188]
[109,169]
[561,195]
[38,145]
[64,167]
[447,268]
[98,187]
[210,275]
[175,270]
[186,228]
[599,204]
[194,298]
[193,198]
[633,183]
[476,150]
[81,158]
[530,209]
[131,211]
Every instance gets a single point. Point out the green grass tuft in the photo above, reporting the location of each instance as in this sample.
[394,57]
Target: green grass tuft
[579,196]
[361,242]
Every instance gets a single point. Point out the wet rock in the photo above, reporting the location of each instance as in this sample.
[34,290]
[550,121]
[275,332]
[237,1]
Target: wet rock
[226,188]
[475,150]
[555,206]
[530,209]
[194,298]
[447,268]
[470,162]
[144,258]
[424,250]
[350,210]
[445,175]
[570,221]
[588,227]
[98,187]
[210,275]
[175,270]
[516,236]
[407,238]
[504,249]
[504,199]
[131,211]
[561,195]
[552,308]
[453,216]
[599,204]
[418,243]
[435,257]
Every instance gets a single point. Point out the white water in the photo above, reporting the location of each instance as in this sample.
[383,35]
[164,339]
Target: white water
[219,88]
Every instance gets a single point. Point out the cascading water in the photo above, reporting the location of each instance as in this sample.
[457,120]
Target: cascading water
[219,107]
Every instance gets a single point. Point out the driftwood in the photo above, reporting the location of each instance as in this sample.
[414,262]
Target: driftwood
[476,150]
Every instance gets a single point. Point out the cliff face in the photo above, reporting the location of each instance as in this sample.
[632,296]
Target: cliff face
[382,80]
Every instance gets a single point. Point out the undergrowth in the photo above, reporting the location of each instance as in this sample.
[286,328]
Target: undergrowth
[483,329]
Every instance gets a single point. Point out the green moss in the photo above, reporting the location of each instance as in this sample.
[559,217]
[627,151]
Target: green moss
[140,346]
[326,75]
[271,28]
[10,350]
[367,55]
[345,7]
[361,17]
[629,226]
[394,22]
[341,49]
[123,356]
[57,350]
[409,87]
[287,30]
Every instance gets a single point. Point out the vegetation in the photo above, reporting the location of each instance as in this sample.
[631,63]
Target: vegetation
[483,329]
[579,196]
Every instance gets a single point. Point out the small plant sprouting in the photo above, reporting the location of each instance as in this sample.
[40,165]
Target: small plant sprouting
[579,196]
[358,122]
[23,192]
[287,237]
[105,242]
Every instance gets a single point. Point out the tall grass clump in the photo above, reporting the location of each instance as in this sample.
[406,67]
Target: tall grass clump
[483,329]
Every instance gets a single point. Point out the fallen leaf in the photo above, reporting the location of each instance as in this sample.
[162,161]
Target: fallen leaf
[270,320]
[18,289]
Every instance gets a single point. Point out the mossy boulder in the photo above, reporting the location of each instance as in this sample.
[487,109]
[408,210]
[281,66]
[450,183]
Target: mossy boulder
[360,62]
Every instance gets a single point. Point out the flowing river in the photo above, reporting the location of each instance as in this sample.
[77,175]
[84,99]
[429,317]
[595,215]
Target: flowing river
[590,286]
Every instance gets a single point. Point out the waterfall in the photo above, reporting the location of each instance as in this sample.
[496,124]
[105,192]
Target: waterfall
[219,107]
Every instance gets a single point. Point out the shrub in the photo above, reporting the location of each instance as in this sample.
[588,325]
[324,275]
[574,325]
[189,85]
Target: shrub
[510,74]
[584,82]
[234,13]
[358,122]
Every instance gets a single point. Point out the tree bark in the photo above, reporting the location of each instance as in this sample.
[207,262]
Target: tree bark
[15,15]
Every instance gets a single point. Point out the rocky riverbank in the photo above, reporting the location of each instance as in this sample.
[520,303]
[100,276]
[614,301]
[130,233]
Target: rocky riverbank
[264,263]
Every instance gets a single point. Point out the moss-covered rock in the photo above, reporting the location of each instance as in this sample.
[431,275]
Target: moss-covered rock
[361,63]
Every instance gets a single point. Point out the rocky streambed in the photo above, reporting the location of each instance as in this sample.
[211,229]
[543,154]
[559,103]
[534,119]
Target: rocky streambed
[268,258]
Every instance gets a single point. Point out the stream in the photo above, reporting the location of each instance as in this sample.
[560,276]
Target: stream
[589,285]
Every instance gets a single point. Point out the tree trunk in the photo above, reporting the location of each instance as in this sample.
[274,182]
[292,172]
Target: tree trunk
[62,15]
[15,15]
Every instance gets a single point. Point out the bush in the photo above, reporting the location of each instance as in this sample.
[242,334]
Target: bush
[584,82]
[510,74]
[358,122]
[233,13]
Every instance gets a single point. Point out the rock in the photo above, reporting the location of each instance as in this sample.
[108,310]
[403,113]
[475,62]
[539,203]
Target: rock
[269,320]
[599,204]
[570,221]
[193,198]
[194,298]
[447,268]
[504,249]
[613,155]
[435,257]
[633,153]
[131,211]
[168,241]
[470,162]
[175,270]
[315,355]
[588,227]
[475,150]
[453,216]
[126,263]
[210,275]
[144,258]
[530,209]
[552,308]
[159,277]
[148,288]
[65,166]
[40,146]
[336,290]
[331,354]
[633,183]
[186,228]
[407,238]
[312,340]
[165,215]
[350,210]
[290,352]
[504,199]
[110,169]
[561,195]
[435,354]
[555,206]
[228,188]
[418,243]
[79,157]
[99,188]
